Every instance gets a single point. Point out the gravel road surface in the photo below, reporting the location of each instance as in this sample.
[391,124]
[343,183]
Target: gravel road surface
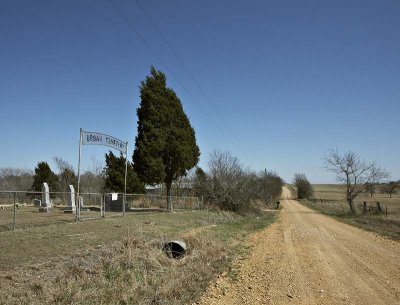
[309,258]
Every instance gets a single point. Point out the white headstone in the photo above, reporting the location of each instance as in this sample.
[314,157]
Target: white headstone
[71,196]
[46,203]
[71,208]
[46,196]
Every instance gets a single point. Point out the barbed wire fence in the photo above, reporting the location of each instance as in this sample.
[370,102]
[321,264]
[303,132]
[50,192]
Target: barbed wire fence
[363,208]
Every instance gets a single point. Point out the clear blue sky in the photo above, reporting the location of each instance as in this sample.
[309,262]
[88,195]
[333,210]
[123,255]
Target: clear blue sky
[291,79]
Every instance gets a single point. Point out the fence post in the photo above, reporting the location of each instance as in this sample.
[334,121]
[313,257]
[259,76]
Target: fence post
[386,211]
[101,206]
[15,213]
[104,206]
[76,207]
[123,204]
[365,207]
[379,207]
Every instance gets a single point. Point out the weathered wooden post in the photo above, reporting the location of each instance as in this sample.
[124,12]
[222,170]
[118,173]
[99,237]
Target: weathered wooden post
[365,207]
[379,207]
[102,206]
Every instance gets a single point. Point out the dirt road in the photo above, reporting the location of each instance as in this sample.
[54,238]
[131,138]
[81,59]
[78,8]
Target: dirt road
[309,258]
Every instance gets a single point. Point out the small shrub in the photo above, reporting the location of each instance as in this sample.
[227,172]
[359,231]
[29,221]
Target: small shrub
[303,186]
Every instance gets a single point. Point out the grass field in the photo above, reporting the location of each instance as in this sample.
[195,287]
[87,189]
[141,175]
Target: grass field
[119,260]
[335,192]
[330,199]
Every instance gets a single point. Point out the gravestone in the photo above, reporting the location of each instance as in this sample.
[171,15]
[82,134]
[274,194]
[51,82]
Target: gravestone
[37,202]
[46,203]
[70,209]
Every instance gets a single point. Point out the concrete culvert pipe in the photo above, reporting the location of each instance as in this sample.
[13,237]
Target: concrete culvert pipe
[175,248]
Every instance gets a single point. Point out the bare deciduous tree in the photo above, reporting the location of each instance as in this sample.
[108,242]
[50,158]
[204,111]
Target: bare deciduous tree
[233,187]
[66,173]
[370,189]
[62,164]
[355,173]
[227,181]
[92,181]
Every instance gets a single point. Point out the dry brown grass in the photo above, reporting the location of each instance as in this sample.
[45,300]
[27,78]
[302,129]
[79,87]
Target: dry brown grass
[330,199]
[30,216]
[127,268]
[129,272]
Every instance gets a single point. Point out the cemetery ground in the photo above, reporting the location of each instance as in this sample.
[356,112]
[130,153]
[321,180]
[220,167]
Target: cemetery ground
[330,199]
[119,260]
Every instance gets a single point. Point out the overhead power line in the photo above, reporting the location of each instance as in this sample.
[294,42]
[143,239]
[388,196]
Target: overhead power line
[132,27]
[184,66]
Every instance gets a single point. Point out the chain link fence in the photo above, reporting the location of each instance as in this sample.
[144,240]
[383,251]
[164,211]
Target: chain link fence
[20,210]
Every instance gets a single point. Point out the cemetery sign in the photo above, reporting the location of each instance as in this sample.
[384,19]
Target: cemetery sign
[95,138]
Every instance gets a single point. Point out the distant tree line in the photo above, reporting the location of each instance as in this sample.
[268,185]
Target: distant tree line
[15,179]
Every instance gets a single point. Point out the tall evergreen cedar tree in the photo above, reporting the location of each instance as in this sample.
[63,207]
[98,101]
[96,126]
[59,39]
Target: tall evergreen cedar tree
[115,176]
[165,147]
[43,173]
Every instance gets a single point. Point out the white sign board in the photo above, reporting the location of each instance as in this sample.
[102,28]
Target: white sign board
[95,138]
[114,196]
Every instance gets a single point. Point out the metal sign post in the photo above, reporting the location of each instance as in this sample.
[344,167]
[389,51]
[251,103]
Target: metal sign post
[126,175]
[77,201]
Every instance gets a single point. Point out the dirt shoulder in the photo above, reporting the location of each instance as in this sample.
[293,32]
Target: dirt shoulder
[309,258]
